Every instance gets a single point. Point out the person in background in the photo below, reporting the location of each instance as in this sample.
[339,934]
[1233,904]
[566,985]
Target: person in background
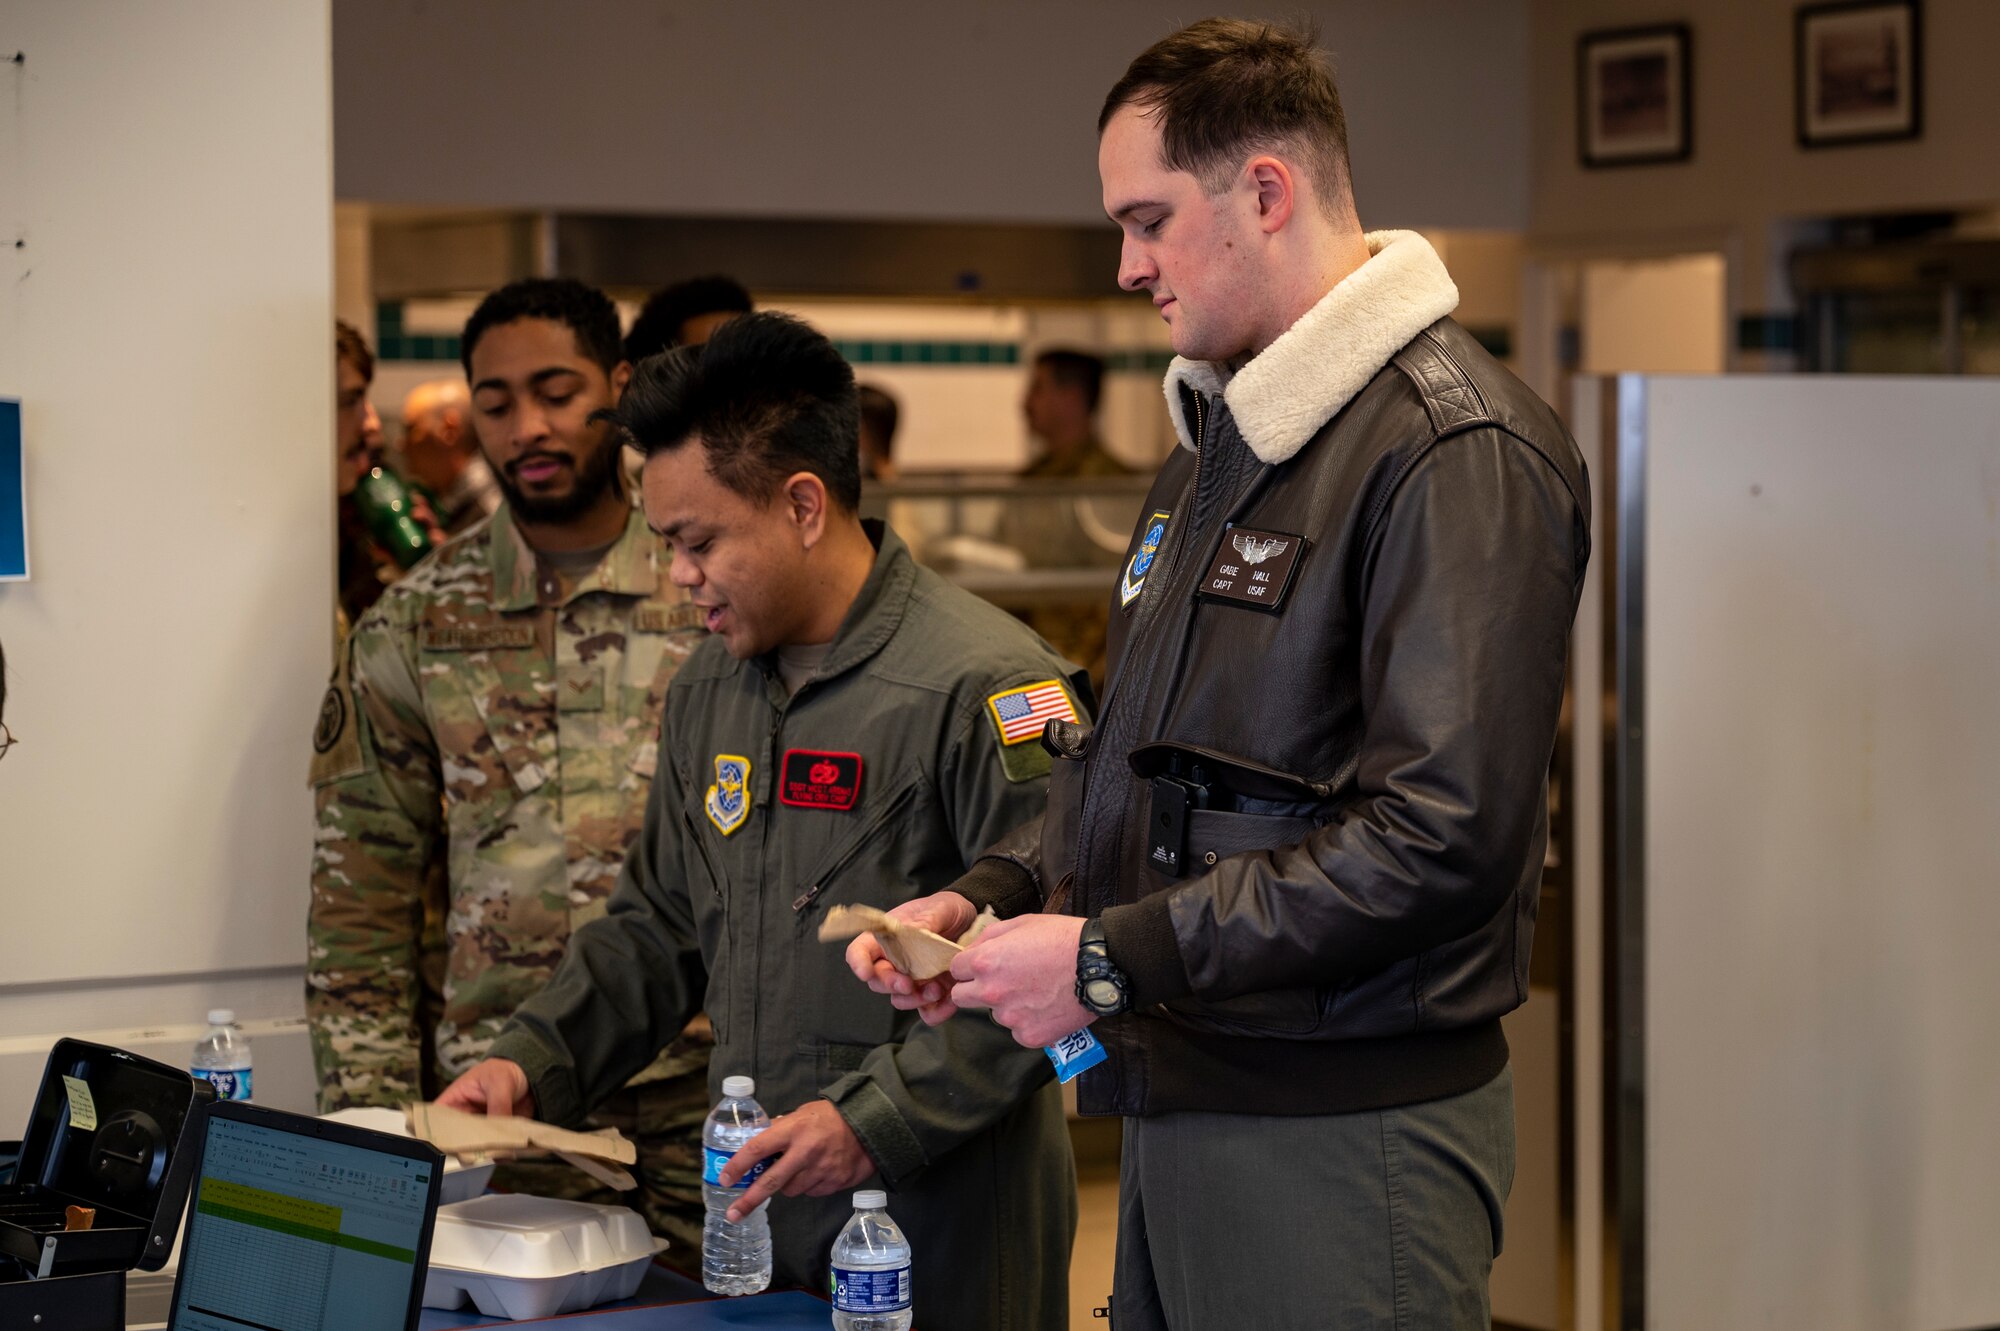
[441,454]
[1064,388]
[484,752]
[365,563]
[862,729]
[1290,879]
[878,434]
[364,567]
[1057,531]
[684,315]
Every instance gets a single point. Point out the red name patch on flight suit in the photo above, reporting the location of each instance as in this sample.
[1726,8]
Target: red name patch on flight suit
[810,779]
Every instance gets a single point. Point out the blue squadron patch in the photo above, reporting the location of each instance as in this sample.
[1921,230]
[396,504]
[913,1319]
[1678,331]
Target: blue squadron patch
[728,801]
[1134,580]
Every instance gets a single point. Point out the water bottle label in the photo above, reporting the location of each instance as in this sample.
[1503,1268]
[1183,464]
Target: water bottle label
[229,1083]
[1075,1053]
[711,1168]
[871,1291]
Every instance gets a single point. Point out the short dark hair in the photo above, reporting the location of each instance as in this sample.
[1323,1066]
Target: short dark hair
[769,396]
[584,310]
[1226,88]
[1076,369]
[658,325]
[349,346]
[879,413]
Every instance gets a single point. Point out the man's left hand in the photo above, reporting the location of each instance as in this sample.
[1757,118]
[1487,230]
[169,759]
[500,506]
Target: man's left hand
[1025,970]
[818,1155]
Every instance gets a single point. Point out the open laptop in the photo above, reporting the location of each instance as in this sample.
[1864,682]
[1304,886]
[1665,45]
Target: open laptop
[299,1224]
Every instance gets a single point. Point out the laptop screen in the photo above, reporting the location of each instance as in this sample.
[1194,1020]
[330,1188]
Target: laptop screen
[291,1232]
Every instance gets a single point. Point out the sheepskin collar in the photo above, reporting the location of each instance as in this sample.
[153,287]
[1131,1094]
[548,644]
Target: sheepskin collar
[1297,384]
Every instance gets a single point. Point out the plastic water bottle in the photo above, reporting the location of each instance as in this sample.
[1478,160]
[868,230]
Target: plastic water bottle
[735,1257]
[871,1270]
[222,1056]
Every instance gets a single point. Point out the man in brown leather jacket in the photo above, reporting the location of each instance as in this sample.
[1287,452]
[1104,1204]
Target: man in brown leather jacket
[1289,881]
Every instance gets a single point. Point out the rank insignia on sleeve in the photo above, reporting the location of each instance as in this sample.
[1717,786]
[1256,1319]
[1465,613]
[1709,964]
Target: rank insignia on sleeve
[1141,562]
[812,779]
[728,801]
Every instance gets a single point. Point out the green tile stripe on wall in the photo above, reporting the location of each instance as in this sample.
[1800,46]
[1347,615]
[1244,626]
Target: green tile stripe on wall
[873,352]
[392,343]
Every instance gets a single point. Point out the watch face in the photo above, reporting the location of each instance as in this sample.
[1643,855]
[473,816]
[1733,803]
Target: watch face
[1102,993]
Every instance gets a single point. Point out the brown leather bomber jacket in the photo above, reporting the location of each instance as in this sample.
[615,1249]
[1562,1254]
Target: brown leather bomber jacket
[1366,740]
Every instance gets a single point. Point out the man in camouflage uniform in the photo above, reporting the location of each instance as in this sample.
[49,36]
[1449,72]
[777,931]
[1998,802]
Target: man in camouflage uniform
[486,749]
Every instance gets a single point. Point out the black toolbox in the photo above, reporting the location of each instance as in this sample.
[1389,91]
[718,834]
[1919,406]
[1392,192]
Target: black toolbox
[113,1132]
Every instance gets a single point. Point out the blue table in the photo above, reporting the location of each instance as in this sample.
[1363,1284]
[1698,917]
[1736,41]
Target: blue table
[668,1301]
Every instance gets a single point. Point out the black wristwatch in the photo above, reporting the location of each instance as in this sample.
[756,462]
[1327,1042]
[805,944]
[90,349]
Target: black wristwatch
[1100,985]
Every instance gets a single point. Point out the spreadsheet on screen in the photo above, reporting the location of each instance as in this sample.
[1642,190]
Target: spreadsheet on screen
[294,1233]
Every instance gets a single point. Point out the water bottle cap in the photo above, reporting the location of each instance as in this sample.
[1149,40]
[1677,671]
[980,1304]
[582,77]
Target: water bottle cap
[739,1088]
[871,1200]
[221,1016]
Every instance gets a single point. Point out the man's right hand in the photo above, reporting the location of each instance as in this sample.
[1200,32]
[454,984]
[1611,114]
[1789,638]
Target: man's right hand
[946,914]
[492,1086]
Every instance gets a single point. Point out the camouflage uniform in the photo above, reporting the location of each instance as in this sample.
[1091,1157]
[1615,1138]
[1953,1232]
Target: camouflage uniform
[483,759]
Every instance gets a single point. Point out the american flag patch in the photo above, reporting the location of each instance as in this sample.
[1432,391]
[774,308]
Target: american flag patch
[1020,714]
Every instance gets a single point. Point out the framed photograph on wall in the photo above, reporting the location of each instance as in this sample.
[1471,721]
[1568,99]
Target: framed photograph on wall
[1633,96]
[1859,73]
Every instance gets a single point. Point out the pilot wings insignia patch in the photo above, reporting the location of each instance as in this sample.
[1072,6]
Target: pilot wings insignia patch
[1256,549]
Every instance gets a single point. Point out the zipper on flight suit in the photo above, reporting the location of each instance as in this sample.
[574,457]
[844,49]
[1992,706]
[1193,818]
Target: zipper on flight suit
[860,842]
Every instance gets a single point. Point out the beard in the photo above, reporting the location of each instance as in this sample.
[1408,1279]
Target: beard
[596,474]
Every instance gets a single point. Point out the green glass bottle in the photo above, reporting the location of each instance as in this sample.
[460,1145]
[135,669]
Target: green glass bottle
[386,507]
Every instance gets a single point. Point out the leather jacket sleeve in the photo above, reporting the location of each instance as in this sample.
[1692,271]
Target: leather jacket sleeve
[1469,581]
[1007,874]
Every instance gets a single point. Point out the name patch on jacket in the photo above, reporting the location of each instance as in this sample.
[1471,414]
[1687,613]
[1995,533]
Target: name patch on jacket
[651,618]
[474,637]
[1253,568]
[1142,559]
[812,779]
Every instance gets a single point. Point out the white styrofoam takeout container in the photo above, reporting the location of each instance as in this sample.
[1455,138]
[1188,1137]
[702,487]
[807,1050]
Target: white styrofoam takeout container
[461,1181]
[516,1256]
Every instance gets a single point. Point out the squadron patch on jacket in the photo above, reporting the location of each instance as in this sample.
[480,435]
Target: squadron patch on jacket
[1134,581]
[1018,716]
[813,779]
[1253,568]
[728,800]
[337,752]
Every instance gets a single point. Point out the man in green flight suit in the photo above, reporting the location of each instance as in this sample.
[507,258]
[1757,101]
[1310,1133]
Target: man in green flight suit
[857,731]
[482,759]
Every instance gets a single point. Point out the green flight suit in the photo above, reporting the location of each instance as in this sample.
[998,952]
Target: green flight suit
[879,781]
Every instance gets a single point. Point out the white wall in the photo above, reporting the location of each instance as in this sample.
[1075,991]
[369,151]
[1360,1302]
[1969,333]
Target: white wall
[977,110]
[1655,316]
[167,326]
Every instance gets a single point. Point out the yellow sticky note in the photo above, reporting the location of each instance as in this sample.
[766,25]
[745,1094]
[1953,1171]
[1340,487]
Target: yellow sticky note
[82,1108]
